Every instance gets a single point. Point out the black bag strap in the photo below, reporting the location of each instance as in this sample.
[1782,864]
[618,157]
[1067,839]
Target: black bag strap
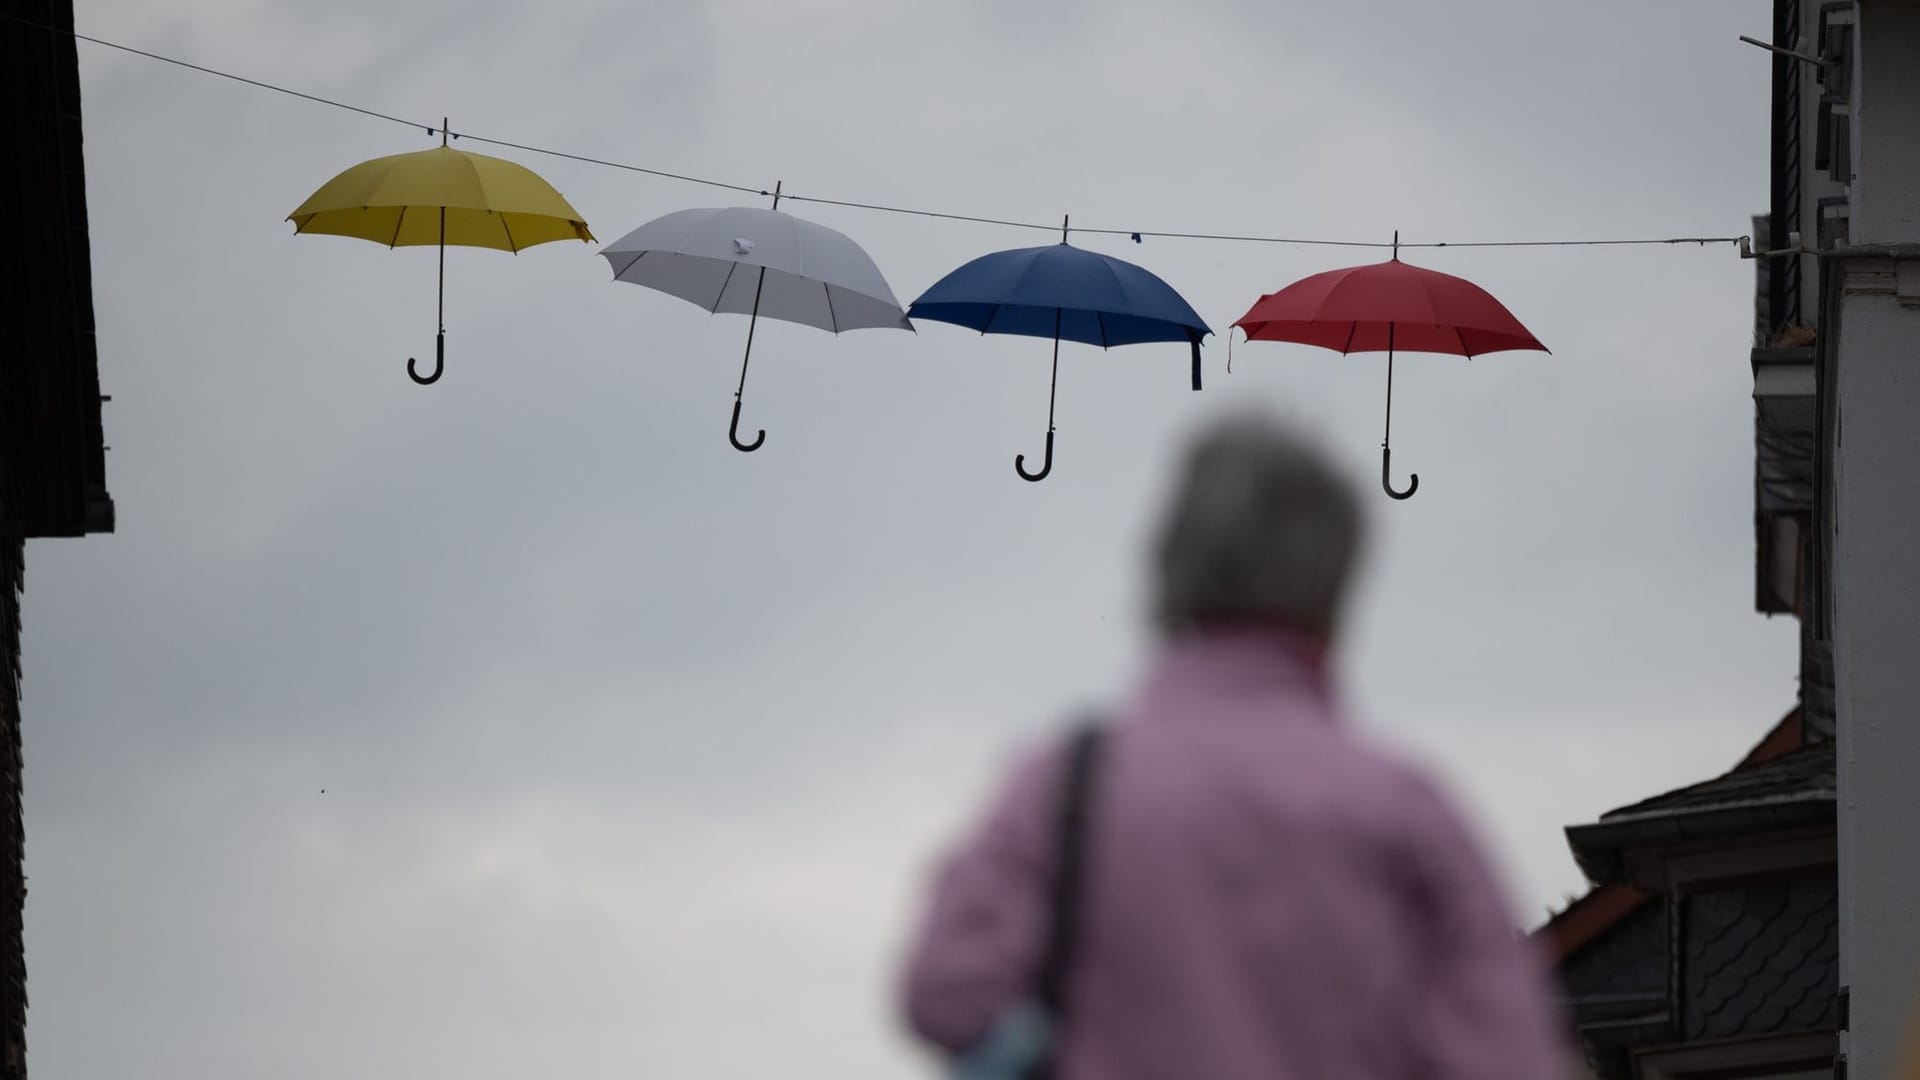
[1071,822]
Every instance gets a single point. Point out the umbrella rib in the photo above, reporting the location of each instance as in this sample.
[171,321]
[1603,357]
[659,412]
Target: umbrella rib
[630,265]
[833,317]
[1100,320]
[799,249]
[986,327]
[503,228]
[1118,286]
[732,265]
[399,220]
[1352,329]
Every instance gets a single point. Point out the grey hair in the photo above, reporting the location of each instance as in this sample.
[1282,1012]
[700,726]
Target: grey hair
[1261,528]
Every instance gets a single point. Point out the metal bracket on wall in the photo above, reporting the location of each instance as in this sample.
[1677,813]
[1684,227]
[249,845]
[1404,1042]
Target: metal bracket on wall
[1800,56]
[1794,247]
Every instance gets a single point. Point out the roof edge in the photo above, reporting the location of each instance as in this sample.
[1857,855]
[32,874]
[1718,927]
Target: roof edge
[1600,847]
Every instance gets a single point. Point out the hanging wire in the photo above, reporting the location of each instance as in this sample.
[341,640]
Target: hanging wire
[615,164]
[1138,234]
[1135,234]
[1701,241]
[75,34]
[926,213]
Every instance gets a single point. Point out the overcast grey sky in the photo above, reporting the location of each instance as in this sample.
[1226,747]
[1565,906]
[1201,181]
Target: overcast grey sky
[633,747]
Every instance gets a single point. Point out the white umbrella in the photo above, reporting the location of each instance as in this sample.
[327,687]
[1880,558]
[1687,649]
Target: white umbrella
[755,262]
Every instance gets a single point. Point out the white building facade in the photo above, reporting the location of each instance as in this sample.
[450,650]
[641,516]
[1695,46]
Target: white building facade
[1837,393]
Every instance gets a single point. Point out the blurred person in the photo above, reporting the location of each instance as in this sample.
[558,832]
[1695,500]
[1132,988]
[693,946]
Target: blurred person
[1220,880]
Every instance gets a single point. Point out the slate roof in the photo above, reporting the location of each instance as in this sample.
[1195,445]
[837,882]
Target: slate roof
[1762,960]
[1758,959]
[1630,958]
[1802,773]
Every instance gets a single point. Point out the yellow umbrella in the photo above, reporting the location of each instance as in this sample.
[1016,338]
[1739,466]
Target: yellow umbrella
[441,196]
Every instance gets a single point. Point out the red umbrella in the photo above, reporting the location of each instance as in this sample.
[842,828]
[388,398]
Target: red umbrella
[1383,307]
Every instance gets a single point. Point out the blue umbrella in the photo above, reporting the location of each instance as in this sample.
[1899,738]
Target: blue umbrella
[1061,291]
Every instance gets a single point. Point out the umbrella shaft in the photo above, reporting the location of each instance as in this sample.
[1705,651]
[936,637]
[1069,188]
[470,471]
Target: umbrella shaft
[440,312]
[1386,437]
[1053,381]
[752,321]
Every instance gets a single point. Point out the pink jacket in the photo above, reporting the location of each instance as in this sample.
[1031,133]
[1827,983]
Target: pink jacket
[1268,899]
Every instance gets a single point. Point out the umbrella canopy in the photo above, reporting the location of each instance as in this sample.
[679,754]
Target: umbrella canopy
[441,196]
[814,276]
[1386,306]
[753,261]
[1095,299]
[399,201]
[1062,292]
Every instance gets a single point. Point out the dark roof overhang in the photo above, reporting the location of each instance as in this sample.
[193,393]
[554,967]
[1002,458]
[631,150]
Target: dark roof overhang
[1784,807]
[52,450]
[1603,848]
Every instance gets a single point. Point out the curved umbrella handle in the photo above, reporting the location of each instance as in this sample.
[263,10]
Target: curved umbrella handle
[439,362]
[1020,463]
[1386,477]
[733,433]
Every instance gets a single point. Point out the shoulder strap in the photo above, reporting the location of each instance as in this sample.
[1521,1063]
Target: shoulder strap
[1073,813]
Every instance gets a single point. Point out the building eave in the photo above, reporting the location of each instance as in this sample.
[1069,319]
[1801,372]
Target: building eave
[1605,849]
[51,436]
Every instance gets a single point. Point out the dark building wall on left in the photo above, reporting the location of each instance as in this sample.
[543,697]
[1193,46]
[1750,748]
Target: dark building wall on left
[13,886]
[52,447]
[50,401]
